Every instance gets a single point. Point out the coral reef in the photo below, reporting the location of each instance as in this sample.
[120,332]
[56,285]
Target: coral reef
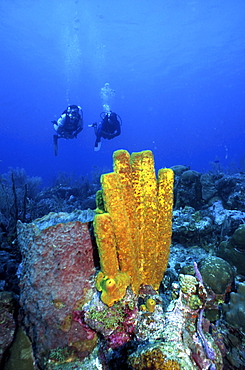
[180,343]
[16,191]
[194,189]
[134,234]
[136,328]
[9,262]
[205,227]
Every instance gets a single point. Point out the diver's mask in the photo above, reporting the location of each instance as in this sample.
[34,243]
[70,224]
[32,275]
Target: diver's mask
[72,114]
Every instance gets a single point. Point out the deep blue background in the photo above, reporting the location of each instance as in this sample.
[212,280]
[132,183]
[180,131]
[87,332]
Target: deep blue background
[177,67]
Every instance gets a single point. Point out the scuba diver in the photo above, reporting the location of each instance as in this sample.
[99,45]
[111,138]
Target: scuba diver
[108,128]
[68,125]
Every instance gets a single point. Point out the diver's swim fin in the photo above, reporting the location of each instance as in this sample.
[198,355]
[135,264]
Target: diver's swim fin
[97,148]
[55,139]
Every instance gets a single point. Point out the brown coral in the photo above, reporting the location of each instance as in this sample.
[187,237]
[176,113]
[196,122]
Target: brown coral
[153,360]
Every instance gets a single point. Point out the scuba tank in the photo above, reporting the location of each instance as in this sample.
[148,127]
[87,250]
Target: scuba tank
[104,114]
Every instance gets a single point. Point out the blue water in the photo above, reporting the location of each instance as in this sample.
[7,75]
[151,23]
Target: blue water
[177,68]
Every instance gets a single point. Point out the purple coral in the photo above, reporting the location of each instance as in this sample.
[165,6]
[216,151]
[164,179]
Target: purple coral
[118,338]
[209,350]
[79,317]
[126,331]
[197,273]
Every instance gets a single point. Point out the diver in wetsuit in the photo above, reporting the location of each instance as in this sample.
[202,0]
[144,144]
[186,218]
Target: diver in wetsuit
[68,125]
[108,128]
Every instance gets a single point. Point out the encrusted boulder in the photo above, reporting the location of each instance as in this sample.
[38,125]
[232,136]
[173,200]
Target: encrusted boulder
[179,169]
[57,279]
[239,238]
[231,190]
[235,309]
[209,190]
[20,355]
[188,190]
[217,274]
[233,249]
[191,226]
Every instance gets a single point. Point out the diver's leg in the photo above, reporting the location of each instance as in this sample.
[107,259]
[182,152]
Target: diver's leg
[55,139]
[97,143]
[95,128]
[97,146]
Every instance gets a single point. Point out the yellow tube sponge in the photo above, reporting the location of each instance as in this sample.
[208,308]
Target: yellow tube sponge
[145,190]
[122,167]
[115,206]
[164,221]
[134,233]
[112,289]
[106,242]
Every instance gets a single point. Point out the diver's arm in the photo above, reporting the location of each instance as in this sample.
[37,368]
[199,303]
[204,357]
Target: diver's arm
[59,126]
[79,128]
[80,124]
[80,111]
[116,133]
[59,122]
[75,133]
